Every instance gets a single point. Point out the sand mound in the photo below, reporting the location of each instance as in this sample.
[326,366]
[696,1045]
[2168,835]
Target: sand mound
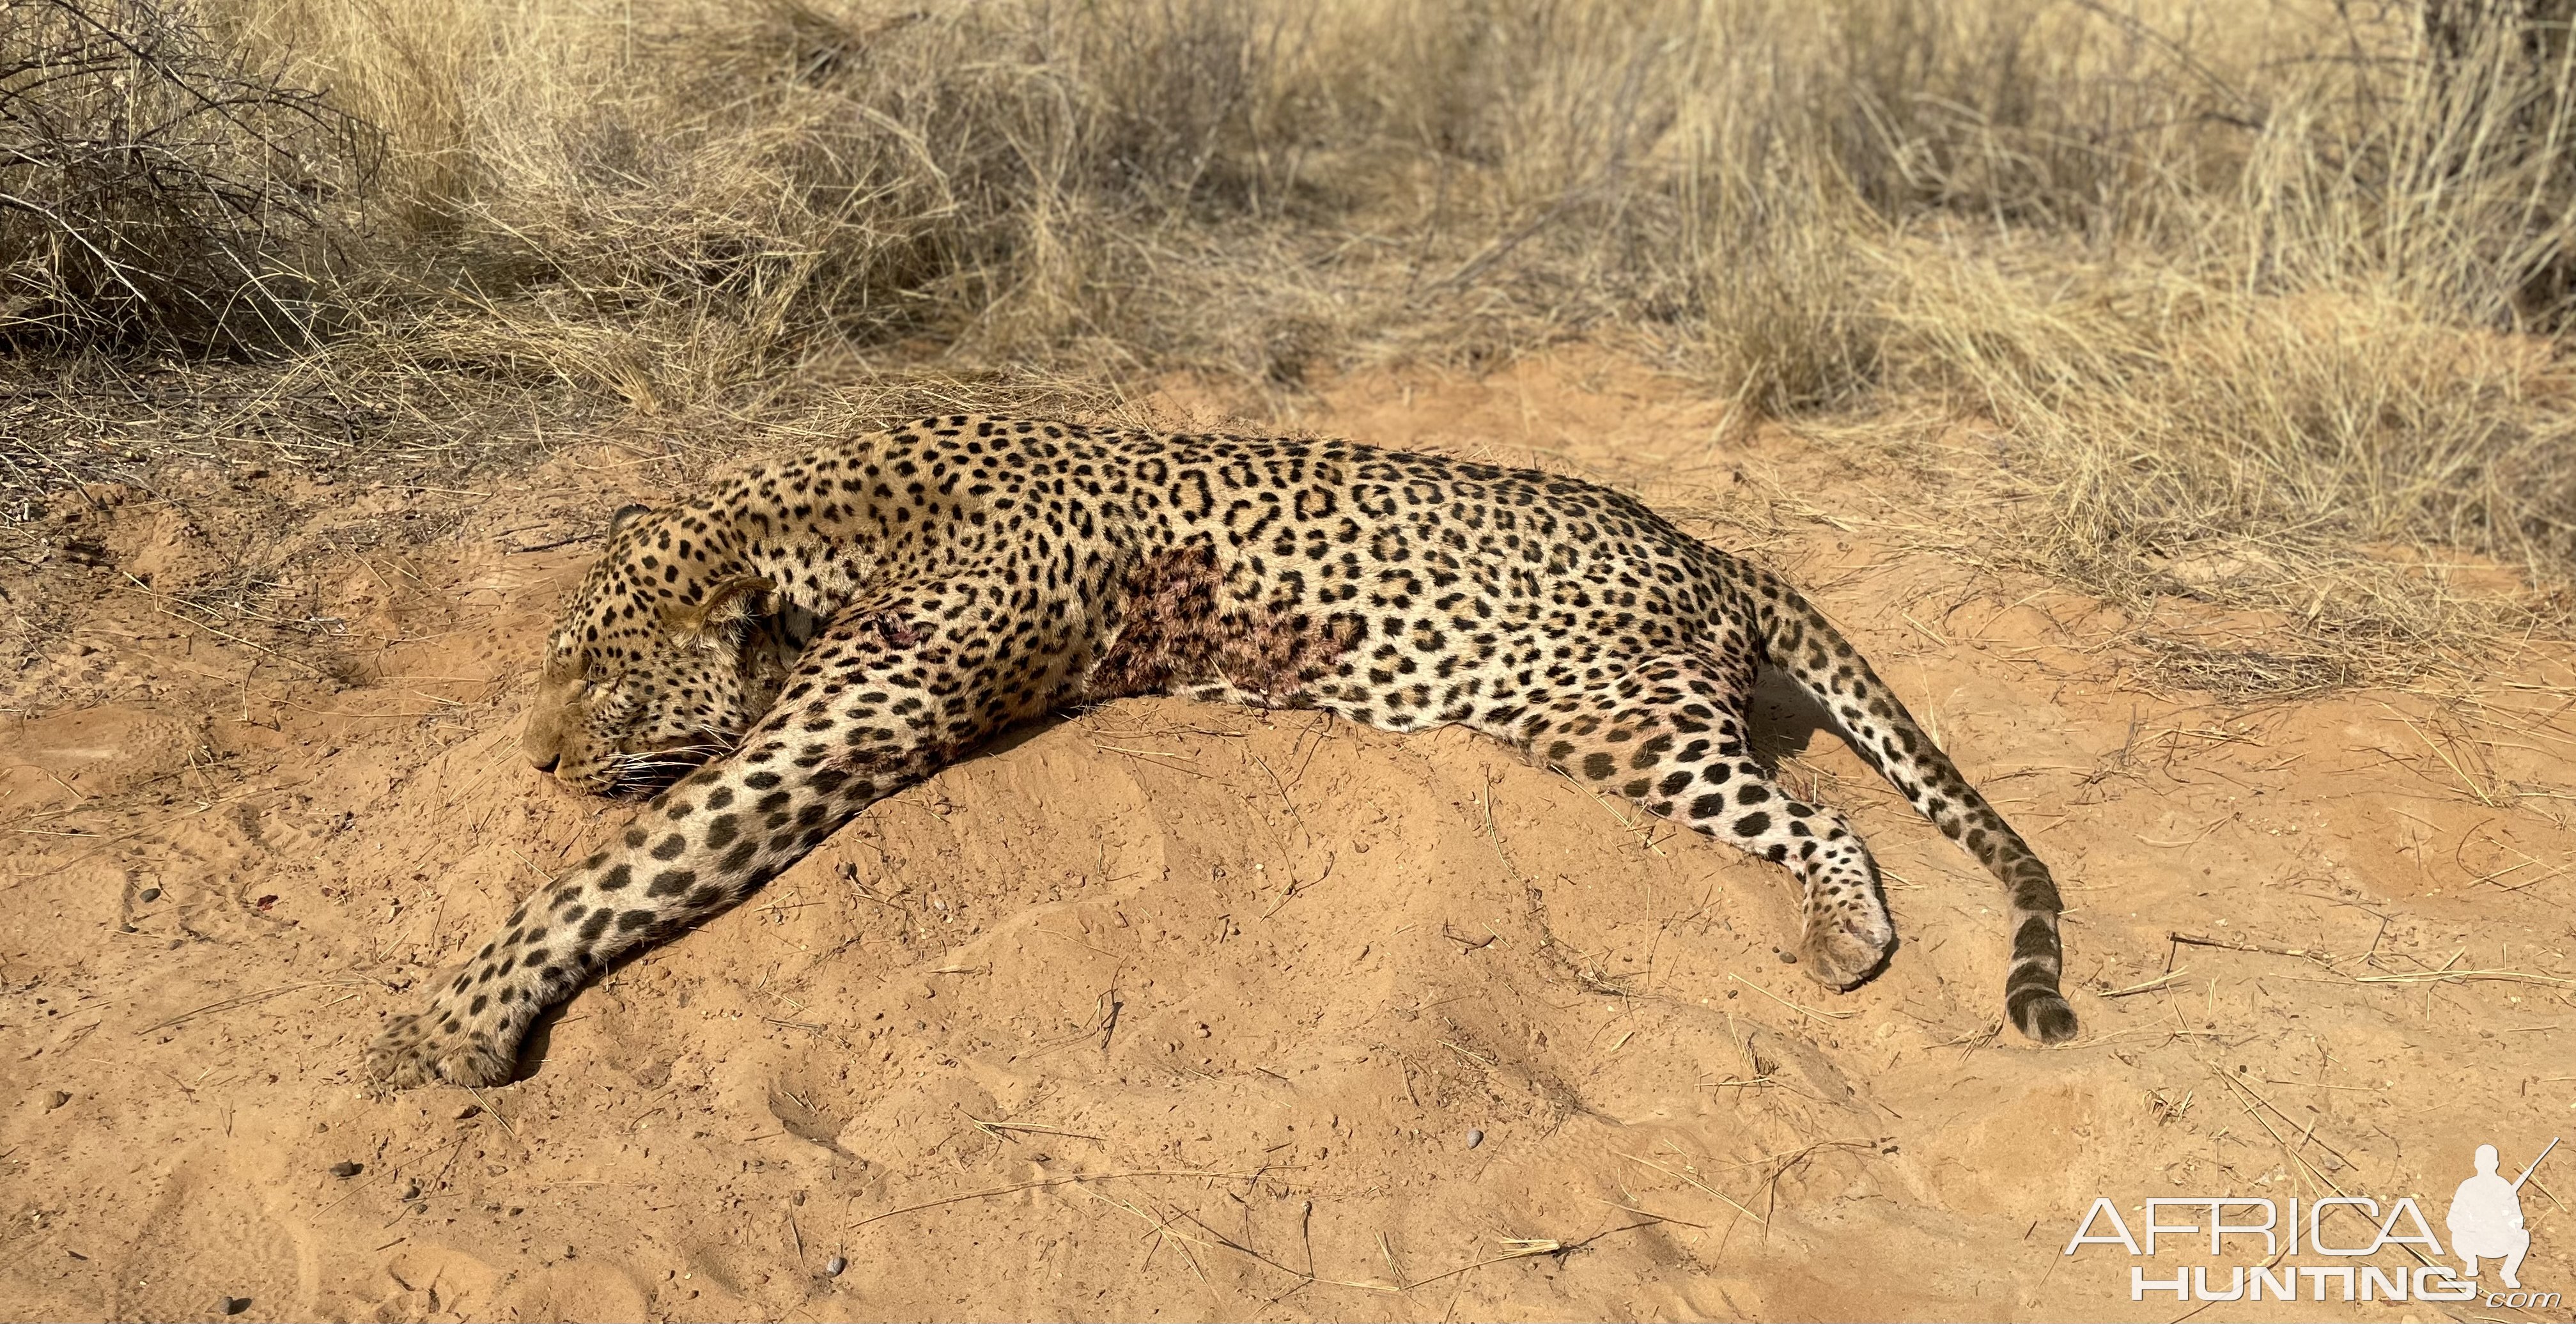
[1175,1010]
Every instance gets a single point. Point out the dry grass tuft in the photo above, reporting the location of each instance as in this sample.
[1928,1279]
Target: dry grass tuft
[2324,459]
[159,188]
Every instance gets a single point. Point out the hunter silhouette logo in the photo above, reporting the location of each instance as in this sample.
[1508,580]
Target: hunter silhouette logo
[2486,1218]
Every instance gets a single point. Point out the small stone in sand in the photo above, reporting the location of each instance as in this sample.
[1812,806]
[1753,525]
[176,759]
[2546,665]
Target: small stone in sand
[345,1168]
[1474,1138]
[834,1265]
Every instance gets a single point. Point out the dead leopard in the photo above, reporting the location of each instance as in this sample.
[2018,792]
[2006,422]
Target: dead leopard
[816,633]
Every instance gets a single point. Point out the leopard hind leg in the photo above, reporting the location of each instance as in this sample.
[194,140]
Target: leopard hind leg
[1669,733]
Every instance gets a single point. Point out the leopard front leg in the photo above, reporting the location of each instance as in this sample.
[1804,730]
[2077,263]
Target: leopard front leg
[697,849]
[880,701]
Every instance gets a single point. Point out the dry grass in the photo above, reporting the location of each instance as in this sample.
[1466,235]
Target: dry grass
[157,187]
[2392,493]
[2250,303]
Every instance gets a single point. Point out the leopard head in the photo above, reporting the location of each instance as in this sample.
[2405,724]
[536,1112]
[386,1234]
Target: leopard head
[661,660]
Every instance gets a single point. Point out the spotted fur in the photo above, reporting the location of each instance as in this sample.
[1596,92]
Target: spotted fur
[815,633]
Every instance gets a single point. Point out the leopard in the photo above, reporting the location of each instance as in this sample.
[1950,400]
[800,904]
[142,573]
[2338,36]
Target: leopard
[812,633]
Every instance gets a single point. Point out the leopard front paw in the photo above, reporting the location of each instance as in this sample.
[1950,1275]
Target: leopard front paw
[434,1047]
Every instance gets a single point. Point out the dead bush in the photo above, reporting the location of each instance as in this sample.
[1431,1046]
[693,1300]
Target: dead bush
[161,188]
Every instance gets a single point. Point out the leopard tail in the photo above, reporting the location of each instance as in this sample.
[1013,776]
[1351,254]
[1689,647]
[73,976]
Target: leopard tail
[1800,641]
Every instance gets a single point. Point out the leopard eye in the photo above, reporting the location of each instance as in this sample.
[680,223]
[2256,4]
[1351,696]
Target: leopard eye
[611,697]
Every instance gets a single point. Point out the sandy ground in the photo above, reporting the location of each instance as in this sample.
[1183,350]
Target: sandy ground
[1167,1010]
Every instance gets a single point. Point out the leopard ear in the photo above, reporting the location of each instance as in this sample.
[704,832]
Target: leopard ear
[723,605]
[624,513]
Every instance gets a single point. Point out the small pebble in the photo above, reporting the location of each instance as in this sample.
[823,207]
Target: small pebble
[1788,958]
[835,1265]
[1475,1138]
[345,1168]
[469,1111]
[57,1099]
[148,894]
[234,1305]
[411,1189]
